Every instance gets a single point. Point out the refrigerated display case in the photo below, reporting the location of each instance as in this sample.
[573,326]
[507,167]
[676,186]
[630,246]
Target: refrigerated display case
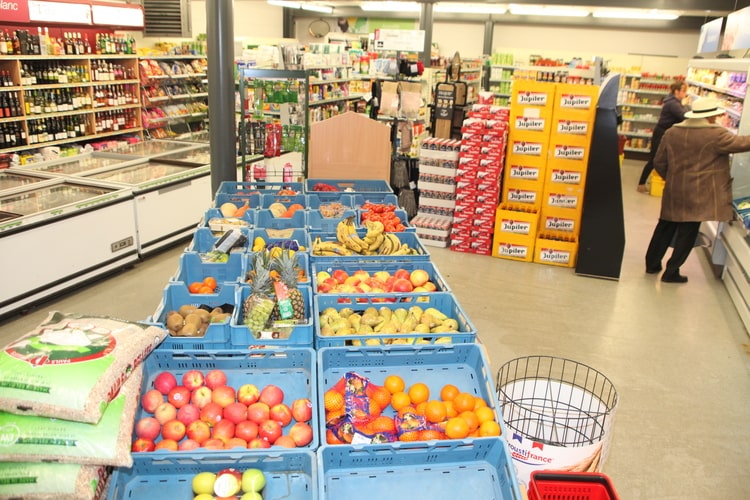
[79,164]
[58,233]
[18,180]
[155,147]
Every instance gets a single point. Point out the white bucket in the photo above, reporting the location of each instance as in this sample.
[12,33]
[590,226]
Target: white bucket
[558,413]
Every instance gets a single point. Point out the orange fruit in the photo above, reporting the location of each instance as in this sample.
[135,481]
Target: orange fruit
[394,384]
[448,392]
[331,438]
[210,282]
[334,414]
[383,424]
[429,434]
[450,410]
[333,400]
[195,287]
[381,396]
[406,409]
[375,409]
[484,413]
[400,400]
[435,411]
[456,428]
[419,392]
[205,289]
[471,419]
[489,428]
[421,407]
[409,436]
[464,402]
[479,402]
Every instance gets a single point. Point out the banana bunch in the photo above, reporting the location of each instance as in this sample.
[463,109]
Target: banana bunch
[259,244]
[375,236]
[329,248]
[346,233]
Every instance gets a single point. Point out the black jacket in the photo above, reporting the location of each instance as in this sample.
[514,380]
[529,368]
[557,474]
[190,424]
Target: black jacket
[672,111]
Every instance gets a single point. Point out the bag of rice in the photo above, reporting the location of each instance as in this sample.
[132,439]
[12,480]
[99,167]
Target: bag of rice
[71,365]
[42,481]
[26,438]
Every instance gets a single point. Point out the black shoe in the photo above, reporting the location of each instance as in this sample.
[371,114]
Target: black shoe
[674,278]
[653,270]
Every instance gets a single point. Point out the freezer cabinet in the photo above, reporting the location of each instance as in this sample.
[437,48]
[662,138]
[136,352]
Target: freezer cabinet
[61,234]
[80,164]
[170,199]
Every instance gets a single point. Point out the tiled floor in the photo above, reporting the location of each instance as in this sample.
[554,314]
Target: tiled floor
[678,355]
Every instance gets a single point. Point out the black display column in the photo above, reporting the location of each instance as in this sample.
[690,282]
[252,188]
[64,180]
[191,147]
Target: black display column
[602,237]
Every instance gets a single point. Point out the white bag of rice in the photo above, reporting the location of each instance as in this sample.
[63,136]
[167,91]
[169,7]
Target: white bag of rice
[27,438]
[42,481]
[72,365]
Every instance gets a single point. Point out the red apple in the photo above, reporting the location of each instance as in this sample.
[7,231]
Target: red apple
[361,274]
[352,281]
[223,395]
[165,382]
[332,282]
[235,442]
[213,444]
[248,394]
[258,412]
[174,429]
[340,276]
[140,445]
[382,276]
[302,433]
[402,274]
[179,396]
[215,378]
[402,285]
[419,277]
[389,283]
[281,413]
[302,410]
[212,413]
[188,444]
[198,431]
[165,412]
[188,413]
[375,283]
[325,288]
[167,444]
[147,428]
[224,430]
[258,443]
[192,379]
[271,395]
[247,430]
[151,399]
[285,442]
[235,412]
[270,430]
[201,396]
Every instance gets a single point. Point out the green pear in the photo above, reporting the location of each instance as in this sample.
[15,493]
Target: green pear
[346,312]
[436,314]
[401,313]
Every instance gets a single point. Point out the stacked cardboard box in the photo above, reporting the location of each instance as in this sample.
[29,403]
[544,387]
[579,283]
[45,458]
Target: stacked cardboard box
[478,178]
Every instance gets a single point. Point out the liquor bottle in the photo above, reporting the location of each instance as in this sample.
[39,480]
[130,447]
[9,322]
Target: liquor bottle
[3,43]
[131,44]
[16,44]
[86,44]
[49,48]
[79,44]
[4,105]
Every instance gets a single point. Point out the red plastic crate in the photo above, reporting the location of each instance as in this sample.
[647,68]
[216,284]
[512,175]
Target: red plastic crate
[571,486]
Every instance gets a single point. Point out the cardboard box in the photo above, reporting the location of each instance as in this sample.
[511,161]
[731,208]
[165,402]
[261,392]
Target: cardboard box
[560,221]
[555,252]
[513,247]
[562,196]
[514,222]
[576,102]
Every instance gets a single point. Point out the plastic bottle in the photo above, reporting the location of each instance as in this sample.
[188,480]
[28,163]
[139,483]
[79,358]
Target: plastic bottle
[287,172]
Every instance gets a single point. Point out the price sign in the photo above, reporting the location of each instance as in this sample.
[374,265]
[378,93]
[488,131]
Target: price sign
[400,40]
[125,15]
[59,12]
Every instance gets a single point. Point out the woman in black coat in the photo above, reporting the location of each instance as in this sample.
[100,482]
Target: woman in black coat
[672,111]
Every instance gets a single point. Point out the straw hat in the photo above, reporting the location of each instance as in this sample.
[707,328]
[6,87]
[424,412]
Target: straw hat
[704,108]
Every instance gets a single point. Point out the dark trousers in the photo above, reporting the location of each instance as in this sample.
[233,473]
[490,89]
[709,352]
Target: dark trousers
[683,234]
[649,166]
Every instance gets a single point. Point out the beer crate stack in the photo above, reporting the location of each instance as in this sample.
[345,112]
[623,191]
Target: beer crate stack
[484,136]
[438,159]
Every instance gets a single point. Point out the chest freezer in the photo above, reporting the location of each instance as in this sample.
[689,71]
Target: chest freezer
[170,198]
[59,234]
[200,155]
[154,147]
[13,180]
[81,164]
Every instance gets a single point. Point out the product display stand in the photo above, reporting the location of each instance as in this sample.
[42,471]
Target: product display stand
[602,236]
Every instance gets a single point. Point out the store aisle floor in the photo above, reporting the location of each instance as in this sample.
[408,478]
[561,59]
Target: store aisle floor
[678,355]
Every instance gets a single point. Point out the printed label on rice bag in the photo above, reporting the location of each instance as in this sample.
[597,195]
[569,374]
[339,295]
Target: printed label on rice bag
[26,479]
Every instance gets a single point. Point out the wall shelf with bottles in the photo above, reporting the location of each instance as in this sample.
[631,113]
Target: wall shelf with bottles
[640,97]
[73,98]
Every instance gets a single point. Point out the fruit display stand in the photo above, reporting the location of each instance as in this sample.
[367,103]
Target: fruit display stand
[288,474]
[298,334]
[372,269]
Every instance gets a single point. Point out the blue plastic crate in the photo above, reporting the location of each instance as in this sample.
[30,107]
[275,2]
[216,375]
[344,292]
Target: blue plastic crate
[301,335]
[193,268]
[315,200]
[292,370]
[289,474]
[300,236]
[359,199]
[286,200]
[350,185]
[444,302]
[403,217]
[266,220]
[391,267]
[204,240]
[316,222]
[214,220]
[480,468]
[463,365]
[247,188]
[176,294]
[408,237]
[303,261]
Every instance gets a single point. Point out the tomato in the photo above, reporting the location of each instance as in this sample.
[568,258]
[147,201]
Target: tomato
[210,282]
[195,287]
[205,289]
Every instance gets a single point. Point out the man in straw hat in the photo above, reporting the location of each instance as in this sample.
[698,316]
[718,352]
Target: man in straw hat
[693,158]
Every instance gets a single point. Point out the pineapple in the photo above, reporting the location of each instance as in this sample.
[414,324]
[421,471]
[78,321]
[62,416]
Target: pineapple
[257,308]
[288,269]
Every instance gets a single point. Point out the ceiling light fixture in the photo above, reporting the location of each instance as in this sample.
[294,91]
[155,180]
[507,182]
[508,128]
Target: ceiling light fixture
[652,14]
[543,10]
[469,8]
[324,9]
[390,6]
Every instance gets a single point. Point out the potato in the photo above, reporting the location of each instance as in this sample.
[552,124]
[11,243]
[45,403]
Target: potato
[220,318]
[217,310]
[188,330]
[194,319]
[204,315]
[186,309]
[174,321]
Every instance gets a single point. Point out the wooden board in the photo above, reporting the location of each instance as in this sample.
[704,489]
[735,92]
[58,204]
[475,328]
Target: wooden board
[349,146]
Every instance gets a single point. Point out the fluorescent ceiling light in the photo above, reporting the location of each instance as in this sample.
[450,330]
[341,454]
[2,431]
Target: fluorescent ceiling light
[390,6]
[469,8]
[543,10]
[304,6]
[636,14]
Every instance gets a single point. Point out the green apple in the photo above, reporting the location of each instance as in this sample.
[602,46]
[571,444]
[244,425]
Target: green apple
[253,480]
[252,495]
[203,496]
[203,482]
